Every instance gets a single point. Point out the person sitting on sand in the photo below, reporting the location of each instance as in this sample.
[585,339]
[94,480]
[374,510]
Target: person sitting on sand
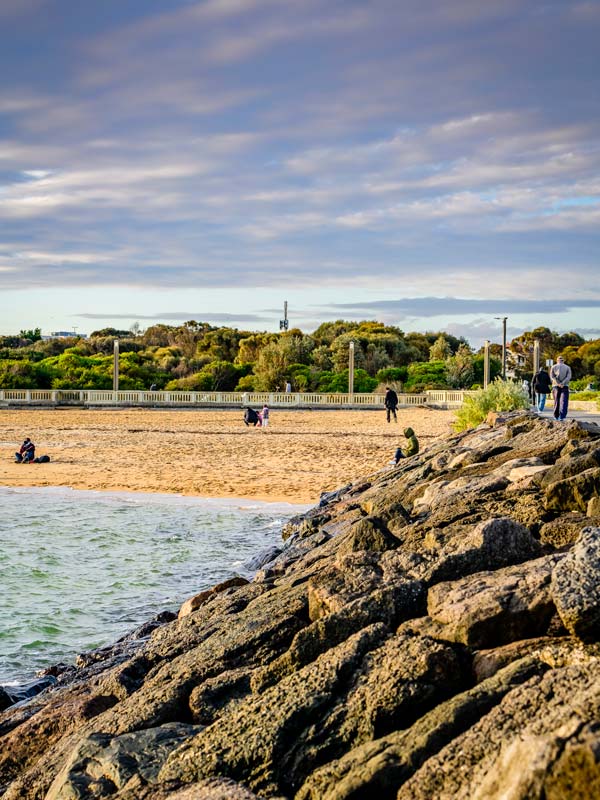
[251,417]
[411,449]
[26,452]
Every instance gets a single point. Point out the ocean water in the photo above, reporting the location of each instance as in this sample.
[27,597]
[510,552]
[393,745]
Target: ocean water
[80,569]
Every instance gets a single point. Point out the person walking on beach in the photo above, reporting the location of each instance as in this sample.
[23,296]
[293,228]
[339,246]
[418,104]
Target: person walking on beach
[542,386]
[411,449]
[26,453]
[391,403]
[560,374]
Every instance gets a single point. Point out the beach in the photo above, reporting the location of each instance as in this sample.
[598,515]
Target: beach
[207,453]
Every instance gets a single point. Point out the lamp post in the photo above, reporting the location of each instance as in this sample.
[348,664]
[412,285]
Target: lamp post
[486,363]
[503,346]
[351,373]
[536,355]
[116,366]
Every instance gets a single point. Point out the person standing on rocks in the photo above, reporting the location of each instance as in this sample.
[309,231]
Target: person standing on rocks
[391,403]
[560,374]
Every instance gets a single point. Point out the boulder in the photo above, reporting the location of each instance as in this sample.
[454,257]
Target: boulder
[576,587]
[492,608]
[573,493]
[194,603]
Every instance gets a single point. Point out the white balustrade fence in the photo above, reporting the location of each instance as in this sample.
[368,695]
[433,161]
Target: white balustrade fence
[129,398]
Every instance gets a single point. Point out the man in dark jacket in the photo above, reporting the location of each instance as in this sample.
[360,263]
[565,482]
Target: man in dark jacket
[250,417]
[542,386]
[391,403]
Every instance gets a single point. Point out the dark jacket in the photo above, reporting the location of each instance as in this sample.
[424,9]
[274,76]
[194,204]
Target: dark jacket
[27,447]
[391,399]
[250,416]
[542,383]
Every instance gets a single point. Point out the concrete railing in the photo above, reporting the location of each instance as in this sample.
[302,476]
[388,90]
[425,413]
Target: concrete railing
[129,398]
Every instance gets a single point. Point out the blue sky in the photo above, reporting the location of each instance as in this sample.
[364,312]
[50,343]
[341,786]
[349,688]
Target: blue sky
[430,164]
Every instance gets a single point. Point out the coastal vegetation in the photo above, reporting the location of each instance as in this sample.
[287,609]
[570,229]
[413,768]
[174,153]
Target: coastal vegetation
[499,396]
[196,356]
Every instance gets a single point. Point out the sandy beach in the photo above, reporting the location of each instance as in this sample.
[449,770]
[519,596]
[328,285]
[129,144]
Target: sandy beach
[207,453]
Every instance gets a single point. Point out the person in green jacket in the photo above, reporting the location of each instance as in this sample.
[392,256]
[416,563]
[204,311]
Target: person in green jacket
[411,449]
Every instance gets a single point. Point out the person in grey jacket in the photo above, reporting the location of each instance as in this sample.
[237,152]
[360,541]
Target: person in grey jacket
[560,373]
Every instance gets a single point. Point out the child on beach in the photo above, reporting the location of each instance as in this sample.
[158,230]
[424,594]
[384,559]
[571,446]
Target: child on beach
[264,416]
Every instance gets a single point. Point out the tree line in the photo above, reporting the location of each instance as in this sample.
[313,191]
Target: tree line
[196,356]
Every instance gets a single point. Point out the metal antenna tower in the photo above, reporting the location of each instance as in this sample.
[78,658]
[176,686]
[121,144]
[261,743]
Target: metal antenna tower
[283,323]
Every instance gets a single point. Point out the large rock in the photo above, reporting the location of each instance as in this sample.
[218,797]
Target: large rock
[493,608]
[576,587]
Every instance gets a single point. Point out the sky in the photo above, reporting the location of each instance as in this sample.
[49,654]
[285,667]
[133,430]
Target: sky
[432,164]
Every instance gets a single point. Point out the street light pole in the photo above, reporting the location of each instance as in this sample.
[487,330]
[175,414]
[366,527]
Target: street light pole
[351,373]
[116,366]
[486,363]
[503,346]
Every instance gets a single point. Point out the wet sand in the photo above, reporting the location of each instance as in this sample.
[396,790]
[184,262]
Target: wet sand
[207,453]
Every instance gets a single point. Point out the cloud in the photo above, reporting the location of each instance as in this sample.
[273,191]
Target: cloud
[181,316]
[418,148]
[456,306]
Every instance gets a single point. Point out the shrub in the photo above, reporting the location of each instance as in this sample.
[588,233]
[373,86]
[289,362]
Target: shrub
[499,396]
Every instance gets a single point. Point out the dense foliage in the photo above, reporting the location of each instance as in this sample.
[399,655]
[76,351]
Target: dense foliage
[499,396]
[199,357]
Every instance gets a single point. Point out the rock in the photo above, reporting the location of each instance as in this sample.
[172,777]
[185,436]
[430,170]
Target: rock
[493,608]
[5,699]
[593,507]
[379,768]
[194,603]
[563,531]
[576,587]
[262,558]
[100,765]
[561,651]
[516,749]
[369,533]
[574,492]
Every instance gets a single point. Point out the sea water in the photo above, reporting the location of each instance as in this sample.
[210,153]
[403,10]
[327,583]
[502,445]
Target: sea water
[80,569]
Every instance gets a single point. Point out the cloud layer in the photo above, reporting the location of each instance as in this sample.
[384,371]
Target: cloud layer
[419,148]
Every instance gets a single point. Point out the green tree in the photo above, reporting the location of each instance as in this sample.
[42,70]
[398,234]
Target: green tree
[460,368]
[33,334]
[440,350]
[426,375]
[337,382]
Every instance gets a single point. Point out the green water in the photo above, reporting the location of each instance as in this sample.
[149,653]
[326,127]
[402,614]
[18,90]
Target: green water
[80,569]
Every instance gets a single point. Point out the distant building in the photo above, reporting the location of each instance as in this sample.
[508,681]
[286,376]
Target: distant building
[64,335]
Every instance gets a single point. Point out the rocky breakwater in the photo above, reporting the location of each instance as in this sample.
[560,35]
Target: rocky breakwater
[430,631]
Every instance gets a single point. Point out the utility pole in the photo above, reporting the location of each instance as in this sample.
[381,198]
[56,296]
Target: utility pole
[503,346]
[283,323]
[486,363]
[116,366]
[351,372]
[536,355]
